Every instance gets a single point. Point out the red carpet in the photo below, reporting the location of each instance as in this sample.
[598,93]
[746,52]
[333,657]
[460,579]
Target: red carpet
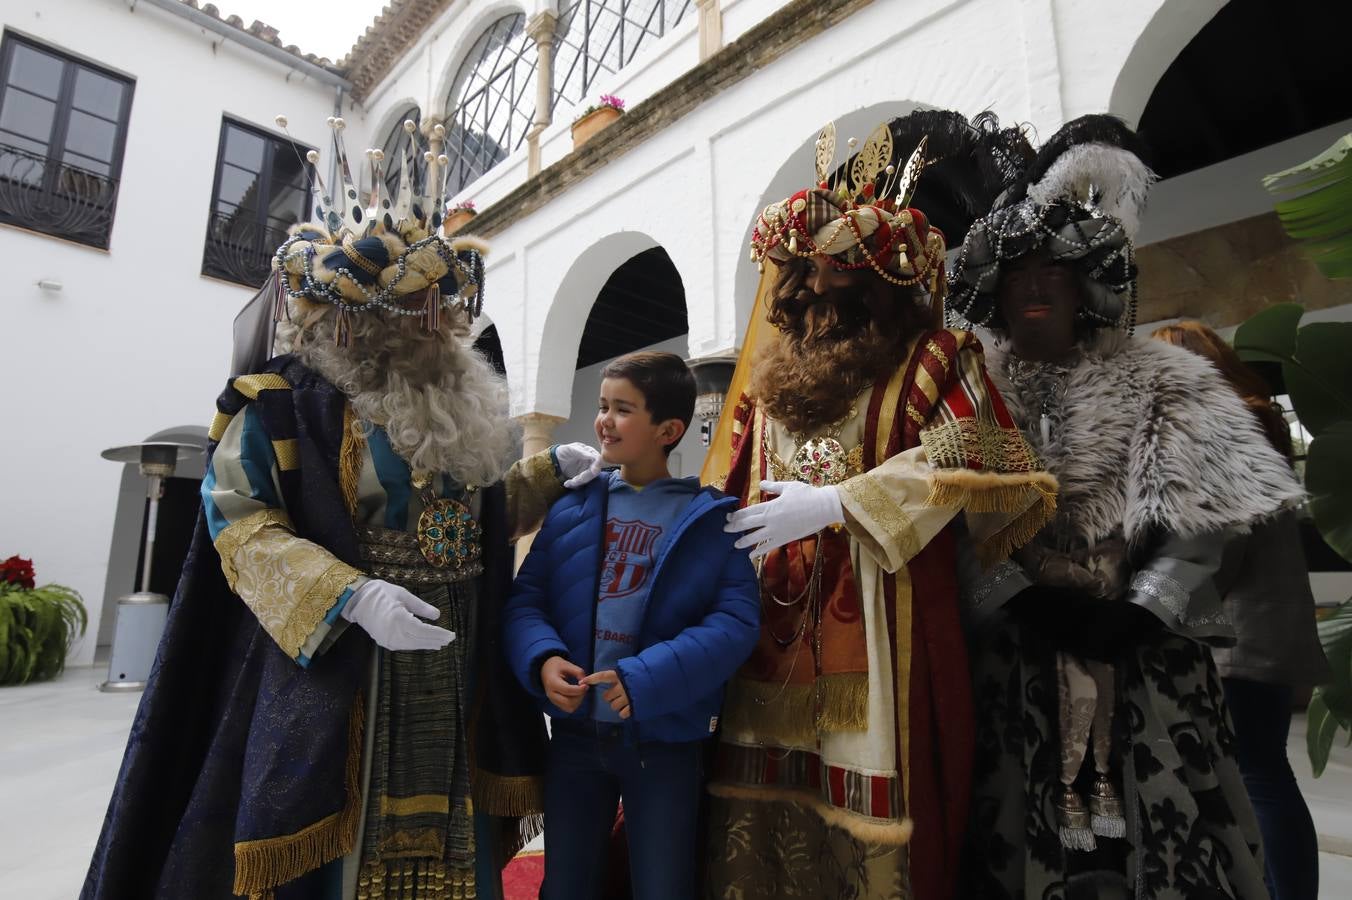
[521,878]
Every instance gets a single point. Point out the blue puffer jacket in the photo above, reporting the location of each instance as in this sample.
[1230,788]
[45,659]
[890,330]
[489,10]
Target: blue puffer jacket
[701,621]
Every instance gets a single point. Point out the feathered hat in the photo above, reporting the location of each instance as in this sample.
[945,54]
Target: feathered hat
[859,217]
[1081,197]
[377,252]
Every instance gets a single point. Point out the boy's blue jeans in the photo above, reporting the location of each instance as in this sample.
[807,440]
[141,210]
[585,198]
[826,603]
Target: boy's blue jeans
[590,768]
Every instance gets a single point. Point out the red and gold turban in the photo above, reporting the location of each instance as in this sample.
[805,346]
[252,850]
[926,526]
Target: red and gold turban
[850,226]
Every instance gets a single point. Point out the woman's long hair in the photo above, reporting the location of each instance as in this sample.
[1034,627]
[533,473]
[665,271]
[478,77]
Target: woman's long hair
[1250,386]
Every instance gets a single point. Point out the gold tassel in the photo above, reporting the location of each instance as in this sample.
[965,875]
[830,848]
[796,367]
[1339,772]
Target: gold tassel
[508,795]
[798,713]
[342,329]
[350,456]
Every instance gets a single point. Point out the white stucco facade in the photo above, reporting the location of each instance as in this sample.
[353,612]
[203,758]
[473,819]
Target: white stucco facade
[137,340]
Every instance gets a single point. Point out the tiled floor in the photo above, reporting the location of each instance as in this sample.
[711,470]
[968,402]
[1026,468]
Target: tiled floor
[61,742]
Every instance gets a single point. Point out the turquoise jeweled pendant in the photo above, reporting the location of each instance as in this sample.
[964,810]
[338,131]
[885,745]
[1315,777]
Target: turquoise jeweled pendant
[448,535]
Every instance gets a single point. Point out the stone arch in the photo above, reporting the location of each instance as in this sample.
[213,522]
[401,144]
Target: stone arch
[567,316]
[794,173]
[1173,25]
[477,22]
[395,112]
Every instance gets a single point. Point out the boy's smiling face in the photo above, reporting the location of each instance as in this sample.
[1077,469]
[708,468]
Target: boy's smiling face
[626,430]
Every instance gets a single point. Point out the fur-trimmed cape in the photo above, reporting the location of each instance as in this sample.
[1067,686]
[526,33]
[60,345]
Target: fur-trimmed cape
[1145,437]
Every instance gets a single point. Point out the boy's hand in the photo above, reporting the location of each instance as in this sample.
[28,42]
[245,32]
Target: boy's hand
[616,697]
[554,675]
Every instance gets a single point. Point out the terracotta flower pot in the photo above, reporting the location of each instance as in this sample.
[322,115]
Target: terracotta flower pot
[457,220]
[587,126]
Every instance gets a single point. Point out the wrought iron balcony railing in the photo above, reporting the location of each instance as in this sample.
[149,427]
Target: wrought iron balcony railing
[239,249]
[47,195]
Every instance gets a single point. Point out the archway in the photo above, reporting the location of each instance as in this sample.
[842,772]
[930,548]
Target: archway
[639,306]
[1247,94]
[796,172]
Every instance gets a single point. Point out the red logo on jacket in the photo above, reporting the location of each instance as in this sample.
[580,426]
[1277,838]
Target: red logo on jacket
[629,557]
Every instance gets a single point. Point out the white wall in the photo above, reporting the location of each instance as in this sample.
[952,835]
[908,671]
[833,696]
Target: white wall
[137,341]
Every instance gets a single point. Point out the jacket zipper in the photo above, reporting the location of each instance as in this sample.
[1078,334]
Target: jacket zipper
[681,528]
[596,592]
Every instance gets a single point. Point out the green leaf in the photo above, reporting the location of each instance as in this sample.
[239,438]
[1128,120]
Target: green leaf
[37,629]
[1320,378]
[1321,729]
[1328,478]
[1270,336]
[1316,206]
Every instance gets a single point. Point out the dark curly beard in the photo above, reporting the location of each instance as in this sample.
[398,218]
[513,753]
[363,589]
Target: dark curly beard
[831,347]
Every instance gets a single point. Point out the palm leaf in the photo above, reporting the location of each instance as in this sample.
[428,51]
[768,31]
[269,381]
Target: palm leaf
[1315,206]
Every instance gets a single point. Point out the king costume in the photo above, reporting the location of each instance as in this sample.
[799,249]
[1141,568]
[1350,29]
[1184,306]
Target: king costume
[844,762]
[279,752]
[1105,755]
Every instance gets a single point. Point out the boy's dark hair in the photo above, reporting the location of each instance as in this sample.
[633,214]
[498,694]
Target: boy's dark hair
[664,380]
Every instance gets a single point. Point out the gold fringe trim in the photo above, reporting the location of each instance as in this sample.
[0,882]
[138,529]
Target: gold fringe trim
[509,795]
[1029,499]
[885,832]
[264,864]
[797,713]
[350,459]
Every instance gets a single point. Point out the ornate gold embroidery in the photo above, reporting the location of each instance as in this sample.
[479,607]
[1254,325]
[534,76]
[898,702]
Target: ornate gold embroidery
[879,506]
[237,534]
[937,352]
[288,583]
[914,414]
[970,444]
[412,806]
[532,487]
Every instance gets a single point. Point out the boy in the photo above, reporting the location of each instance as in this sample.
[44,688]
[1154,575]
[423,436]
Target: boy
[628,617]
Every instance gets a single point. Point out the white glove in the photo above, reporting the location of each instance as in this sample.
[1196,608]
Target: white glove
[799,510]
[389,614]
[578,463]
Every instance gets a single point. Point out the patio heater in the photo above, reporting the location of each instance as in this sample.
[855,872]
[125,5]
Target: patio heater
[141,614]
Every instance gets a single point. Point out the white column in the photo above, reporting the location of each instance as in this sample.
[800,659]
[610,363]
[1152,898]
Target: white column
[710,28]
[540,28]
[537,433]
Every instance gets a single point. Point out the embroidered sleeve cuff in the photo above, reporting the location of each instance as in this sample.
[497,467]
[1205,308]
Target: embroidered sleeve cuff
[289,583]
[532,487]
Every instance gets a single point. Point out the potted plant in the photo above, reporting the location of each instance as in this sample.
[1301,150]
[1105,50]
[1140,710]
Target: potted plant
[1317,374]
[458,216]
[596,117]
[37,624]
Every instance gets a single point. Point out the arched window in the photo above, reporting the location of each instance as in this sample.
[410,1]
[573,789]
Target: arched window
[492,103]
[600,36]
[397,143]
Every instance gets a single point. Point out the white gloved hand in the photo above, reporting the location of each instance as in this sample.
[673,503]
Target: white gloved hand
[799,510]
[389,614]
[578,463]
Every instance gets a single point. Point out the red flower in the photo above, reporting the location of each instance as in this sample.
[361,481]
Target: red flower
[19,571]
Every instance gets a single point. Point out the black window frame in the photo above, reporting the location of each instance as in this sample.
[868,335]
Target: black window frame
[64,205]
[252,272]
